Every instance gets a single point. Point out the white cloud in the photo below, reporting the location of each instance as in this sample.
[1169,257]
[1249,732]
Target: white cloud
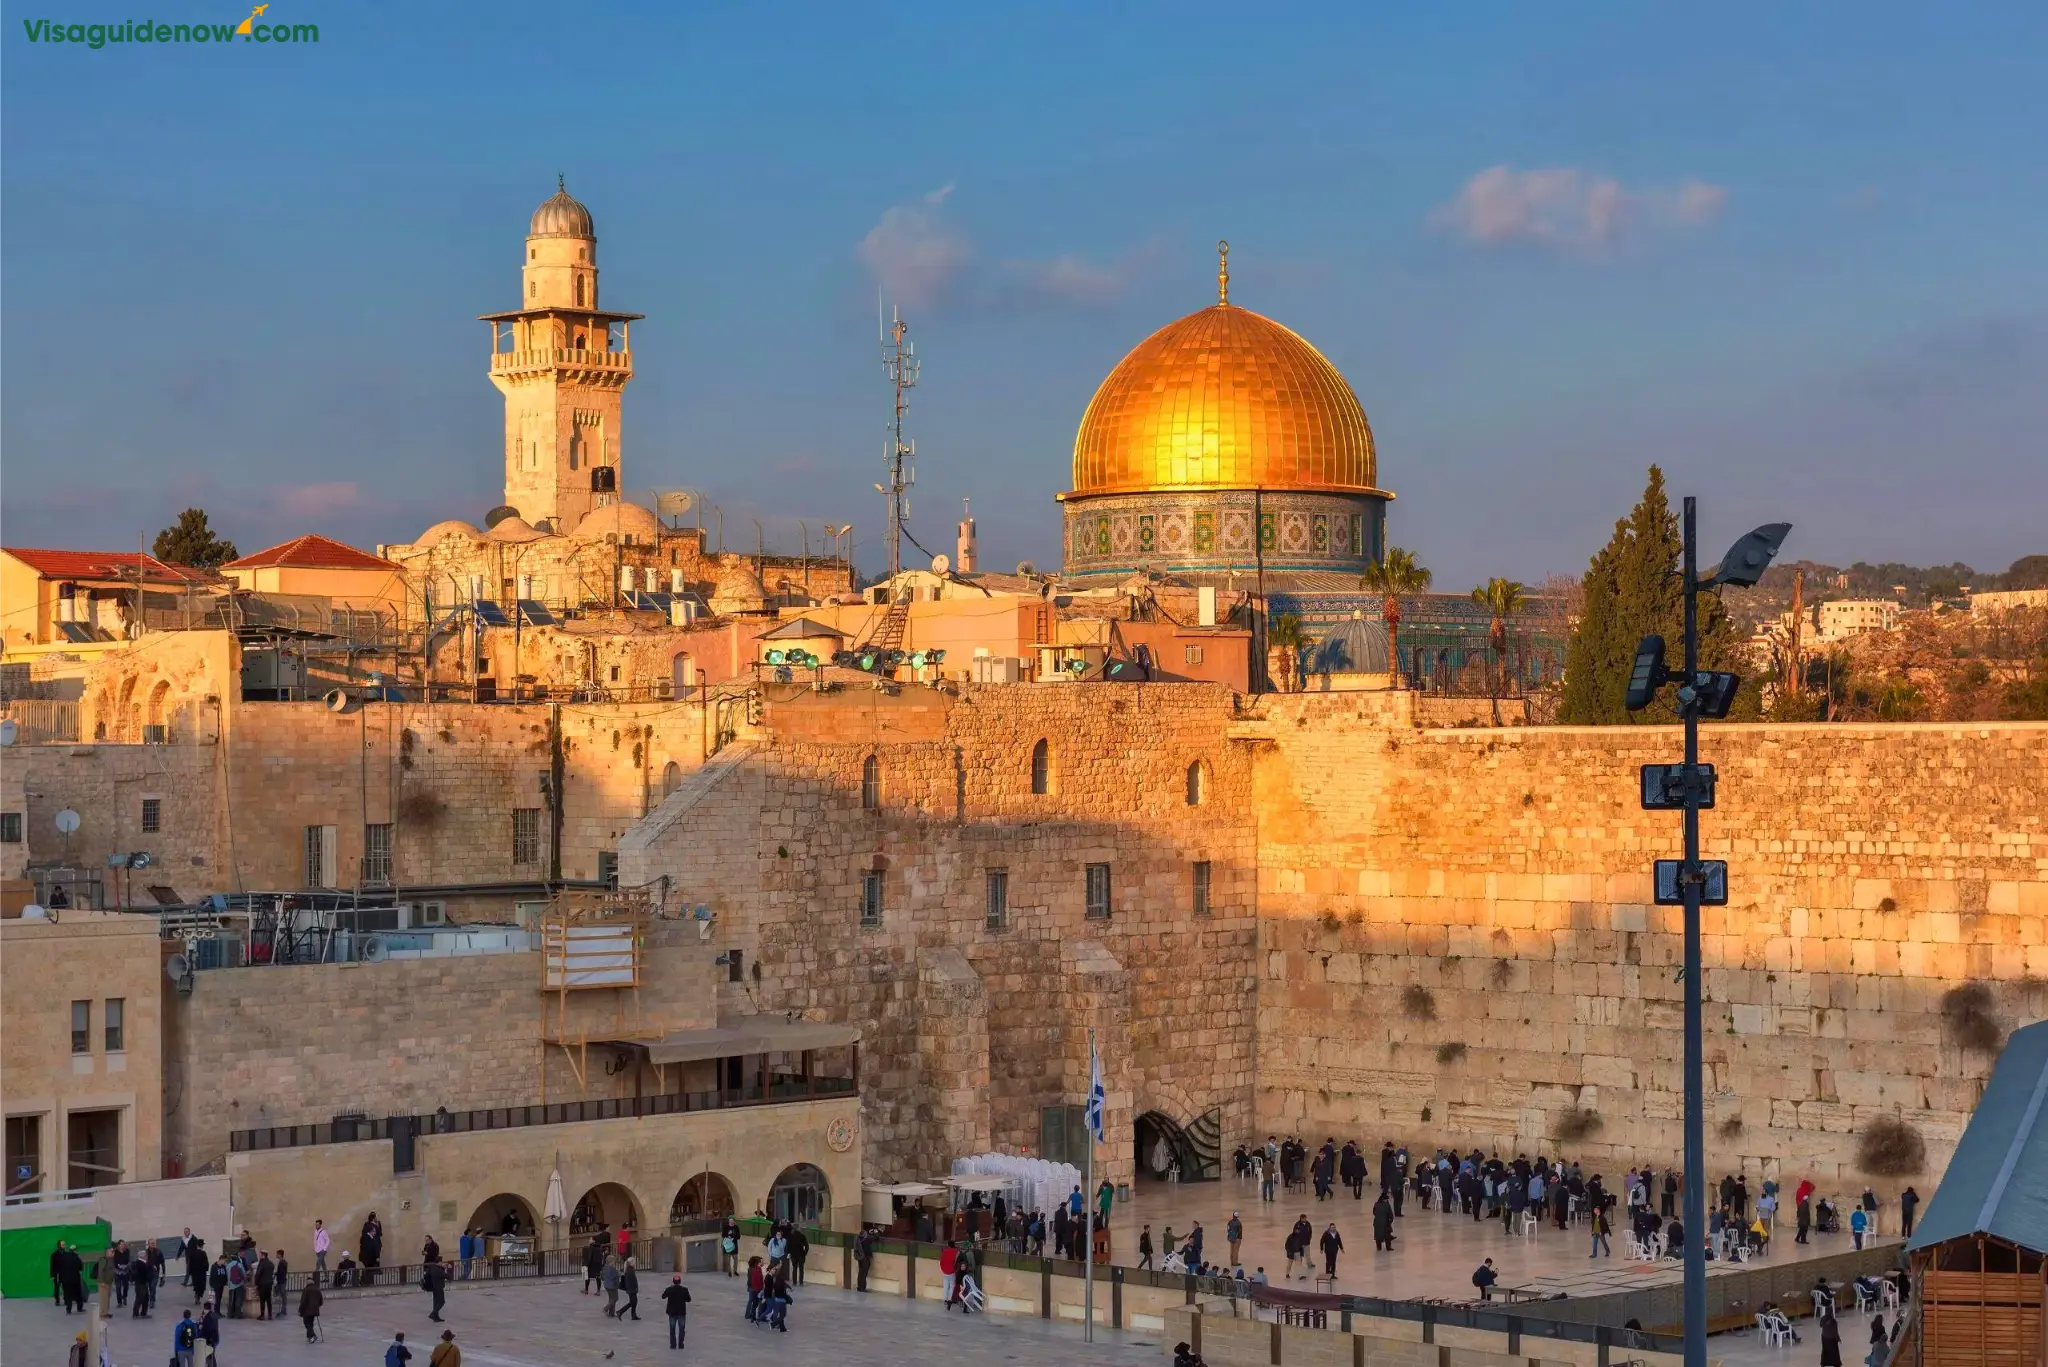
[1070,278]
[914,254]
[1570,209]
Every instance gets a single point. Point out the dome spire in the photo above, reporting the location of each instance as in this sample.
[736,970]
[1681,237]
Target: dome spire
[1222,272]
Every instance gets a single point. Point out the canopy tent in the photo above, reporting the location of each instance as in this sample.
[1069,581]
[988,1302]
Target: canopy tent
[1997,1183]
[749,1035]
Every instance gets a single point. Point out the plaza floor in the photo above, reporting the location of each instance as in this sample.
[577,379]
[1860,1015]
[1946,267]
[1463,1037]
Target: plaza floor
[1434,1254]
[552,1323]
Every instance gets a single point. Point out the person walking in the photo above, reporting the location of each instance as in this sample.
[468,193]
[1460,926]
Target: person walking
[266,1283]
[949,1270]
[434,1281]
[1333,1244]
[799,1253]
[593,1263]
[445,1353]
[1145,1247]
[121,1256]
[609,1279]
[1830,1340]
[310,1300]
[397,1354]
[675,1303]
[1233,1234]
[1859,1225]
[370,1245]
[196,1268]
[863,1256]
[1909,1201]
[1880,1341]
[184,1341]
[142,1282]
[283,1272]
[729,1247]
[1602,1225]
[209,1333]
[322,1241]
[629,1282]
[1383,1224]
[1802,1202]
[757,1281]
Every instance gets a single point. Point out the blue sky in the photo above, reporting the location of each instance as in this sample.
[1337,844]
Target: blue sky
[1793,252]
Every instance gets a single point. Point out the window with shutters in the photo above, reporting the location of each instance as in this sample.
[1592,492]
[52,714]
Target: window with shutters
[1098,892]
[1201,890]
[998,898]
[871,898]
[526,835]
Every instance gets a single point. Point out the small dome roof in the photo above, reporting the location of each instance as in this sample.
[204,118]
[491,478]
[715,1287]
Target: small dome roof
[621,519]
[737,589]
[515,528]
[453,526]
[1358,646]
[561,215]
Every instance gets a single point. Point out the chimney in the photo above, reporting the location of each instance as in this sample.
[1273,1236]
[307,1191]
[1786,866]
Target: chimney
[966,558]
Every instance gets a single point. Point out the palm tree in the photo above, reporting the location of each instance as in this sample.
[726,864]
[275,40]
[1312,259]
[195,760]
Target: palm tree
[1285,635]
[1502,599]
[1392,575]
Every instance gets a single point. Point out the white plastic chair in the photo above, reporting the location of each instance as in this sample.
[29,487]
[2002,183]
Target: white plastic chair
[1774,1330]
[1529,1223]
[1891,1294]
[1571,1209]
[1864,1296]
[1822,1303]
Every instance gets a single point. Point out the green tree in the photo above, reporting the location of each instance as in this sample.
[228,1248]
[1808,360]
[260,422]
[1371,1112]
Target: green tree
[1502,599]
[1285,635]
[190,541]
[1633,589]
[1392,575]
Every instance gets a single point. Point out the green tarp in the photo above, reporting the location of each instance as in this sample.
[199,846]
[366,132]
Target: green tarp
[1997,1183]
[25,1254]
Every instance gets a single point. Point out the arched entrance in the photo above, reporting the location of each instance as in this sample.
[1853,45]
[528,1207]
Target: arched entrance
[606,1205]
[504,1214]
[800,1194]
[707,1196]
[1161,1142]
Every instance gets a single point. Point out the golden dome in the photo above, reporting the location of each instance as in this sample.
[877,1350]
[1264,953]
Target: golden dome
[1224,399]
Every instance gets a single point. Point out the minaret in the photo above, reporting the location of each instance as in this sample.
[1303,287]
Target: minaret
[967,551]
[561,362]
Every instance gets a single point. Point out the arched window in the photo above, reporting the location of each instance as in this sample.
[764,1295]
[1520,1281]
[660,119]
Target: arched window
[1198,784]
[671,778]
[870,784]
[1041,769]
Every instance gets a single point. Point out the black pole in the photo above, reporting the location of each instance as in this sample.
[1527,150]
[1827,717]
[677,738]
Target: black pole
[1689,879]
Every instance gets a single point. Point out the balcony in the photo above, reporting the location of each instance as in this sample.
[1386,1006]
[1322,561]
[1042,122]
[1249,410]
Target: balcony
[560,358]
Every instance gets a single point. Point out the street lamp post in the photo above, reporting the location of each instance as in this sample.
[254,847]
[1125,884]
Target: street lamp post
[1688,881]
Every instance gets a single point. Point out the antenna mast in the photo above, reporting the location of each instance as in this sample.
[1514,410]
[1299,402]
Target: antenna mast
[900,364]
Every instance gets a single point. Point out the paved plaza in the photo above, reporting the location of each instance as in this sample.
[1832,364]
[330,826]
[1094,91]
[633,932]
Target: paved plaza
[543,1324]
[1434,1254]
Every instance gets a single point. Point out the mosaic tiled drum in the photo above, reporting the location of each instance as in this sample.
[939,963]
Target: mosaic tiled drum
[1221,442]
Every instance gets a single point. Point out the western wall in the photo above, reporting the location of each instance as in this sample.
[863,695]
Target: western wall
[1433,934]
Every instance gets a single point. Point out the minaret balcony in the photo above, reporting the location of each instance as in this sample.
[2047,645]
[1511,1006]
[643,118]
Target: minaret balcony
[560,358]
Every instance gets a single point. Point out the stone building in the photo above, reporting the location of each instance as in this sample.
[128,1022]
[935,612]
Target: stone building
[1353,913]
[82,1051]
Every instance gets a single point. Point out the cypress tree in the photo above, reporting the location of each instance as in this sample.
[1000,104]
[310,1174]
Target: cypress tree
[1632,589]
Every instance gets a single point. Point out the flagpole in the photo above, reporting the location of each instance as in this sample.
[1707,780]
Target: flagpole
[1088,1210]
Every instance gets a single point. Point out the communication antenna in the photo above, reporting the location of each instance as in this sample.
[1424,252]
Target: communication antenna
[900,364]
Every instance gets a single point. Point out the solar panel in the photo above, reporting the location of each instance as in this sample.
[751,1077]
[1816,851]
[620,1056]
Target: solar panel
[79,632]
[490,614]
[536,614]
[647,602]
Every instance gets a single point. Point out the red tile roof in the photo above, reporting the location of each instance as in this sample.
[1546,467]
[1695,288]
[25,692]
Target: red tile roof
[312,553]
[105,565]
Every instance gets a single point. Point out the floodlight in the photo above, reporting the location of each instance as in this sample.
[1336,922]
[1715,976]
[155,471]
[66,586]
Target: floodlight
[937,657]
[775,657]
[1713,693]
[1748,558]
[1664,787]
[1669,892]
[1647,675]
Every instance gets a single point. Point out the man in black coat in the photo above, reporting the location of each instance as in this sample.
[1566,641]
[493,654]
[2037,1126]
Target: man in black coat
[434,1281]
[675,1301]
[195,1267]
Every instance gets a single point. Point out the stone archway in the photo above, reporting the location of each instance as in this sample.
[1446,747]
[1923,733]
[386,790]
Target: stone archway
[608,1204]
[801,1194]
[705,1196]
[1190,1152]
[495,1214]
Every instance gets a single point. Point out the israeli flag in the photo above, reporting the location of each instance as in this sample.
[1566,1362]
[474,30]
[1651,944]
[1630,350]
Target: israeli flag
[1095,1093]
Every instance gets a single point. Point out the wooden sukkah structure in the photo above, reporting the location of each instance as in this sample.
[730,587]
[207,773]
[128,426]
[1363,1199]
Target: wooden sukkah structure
[590,942]
[1979,1276]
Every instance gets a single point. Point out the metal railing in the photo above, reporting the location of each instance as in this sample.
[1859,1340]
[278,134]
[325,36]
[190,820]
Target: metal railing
[348,1130]
[534,360]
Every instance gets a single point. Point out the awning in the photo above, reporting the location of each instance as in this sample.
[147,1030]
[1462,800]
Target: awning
[757,1035]
[984,1181]
[908,1190]
[1997,1183]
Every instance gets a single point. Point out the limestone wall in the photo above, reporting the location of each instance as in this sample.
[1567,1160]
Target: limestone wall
[1499,880]
[778,842]
[296,1045]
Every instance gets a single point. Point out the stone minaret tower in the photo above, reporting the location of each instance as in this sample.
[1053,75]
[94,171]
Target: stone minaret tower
[560,362]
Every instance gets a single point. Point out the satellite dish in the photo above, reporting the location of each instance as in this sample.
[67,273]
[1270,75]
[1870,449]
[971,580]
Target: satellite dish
[177,967]
[336,700]
[9,730]
[674,502]
[374,950]
[941,564]
[67,821]
[1026,570]
[499,514]
[141,859]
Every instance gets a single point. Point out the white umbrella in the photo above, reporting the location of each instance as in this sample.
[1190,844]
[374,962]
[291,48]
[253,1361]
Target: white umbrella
[557,1208]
